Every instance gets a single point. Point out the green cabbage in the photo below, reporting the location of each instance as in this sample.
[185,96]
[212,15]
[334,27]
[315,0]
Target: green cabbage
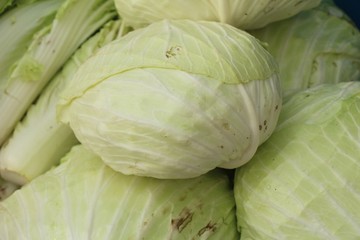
[304,182]
[317,46]
[84,199]
[245,14]
[41,138]
[175,99]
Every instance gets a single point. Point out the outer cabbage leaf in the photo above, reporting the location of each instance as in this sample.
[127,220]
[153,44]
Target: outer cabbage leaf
[317,46]
[50,48]
[41,138]
[304,182]
[84,199]
[18,26]
[175,99]
[245,14]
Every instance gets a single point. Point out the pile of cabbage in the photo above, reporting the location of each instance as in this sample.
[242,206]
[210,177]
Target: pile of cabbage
[179,120]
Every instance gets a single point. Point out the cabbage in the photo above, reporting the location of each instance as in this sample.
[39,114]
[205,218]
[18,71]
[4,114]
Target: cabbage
[245,14]
[175,99]
[41,138]
[317,46]
[304,182]
[49,48]
[84,199]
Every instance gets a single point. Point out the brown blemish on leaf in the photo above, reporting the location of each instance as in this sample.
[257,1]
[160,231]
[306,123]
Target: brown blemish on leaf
[210,227]
[173,51]
[183,220]
[226,126]
[2,192]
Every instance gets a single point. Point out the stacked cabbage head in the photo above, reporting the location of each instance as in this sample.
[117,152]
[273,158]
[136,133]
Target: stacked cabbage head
[82,198]
[175,99]
[317,46]
[244,14]
[304,182]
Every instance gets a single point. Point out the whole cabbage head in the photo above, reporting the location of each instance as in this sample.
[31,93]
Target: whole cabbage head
[304,182]
[244,14]
[320,45]
[175,99]
[82,198]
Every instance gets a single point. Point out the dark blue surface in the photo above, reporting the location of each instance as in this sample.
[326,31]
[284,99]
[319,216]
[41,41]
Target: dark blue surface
[352,8]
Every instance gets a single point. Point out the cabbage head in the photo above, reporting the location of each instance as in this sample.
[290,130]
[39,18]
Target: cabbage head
[244,14]
[84,199]
[304,182]
[320,45]
[175,99]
